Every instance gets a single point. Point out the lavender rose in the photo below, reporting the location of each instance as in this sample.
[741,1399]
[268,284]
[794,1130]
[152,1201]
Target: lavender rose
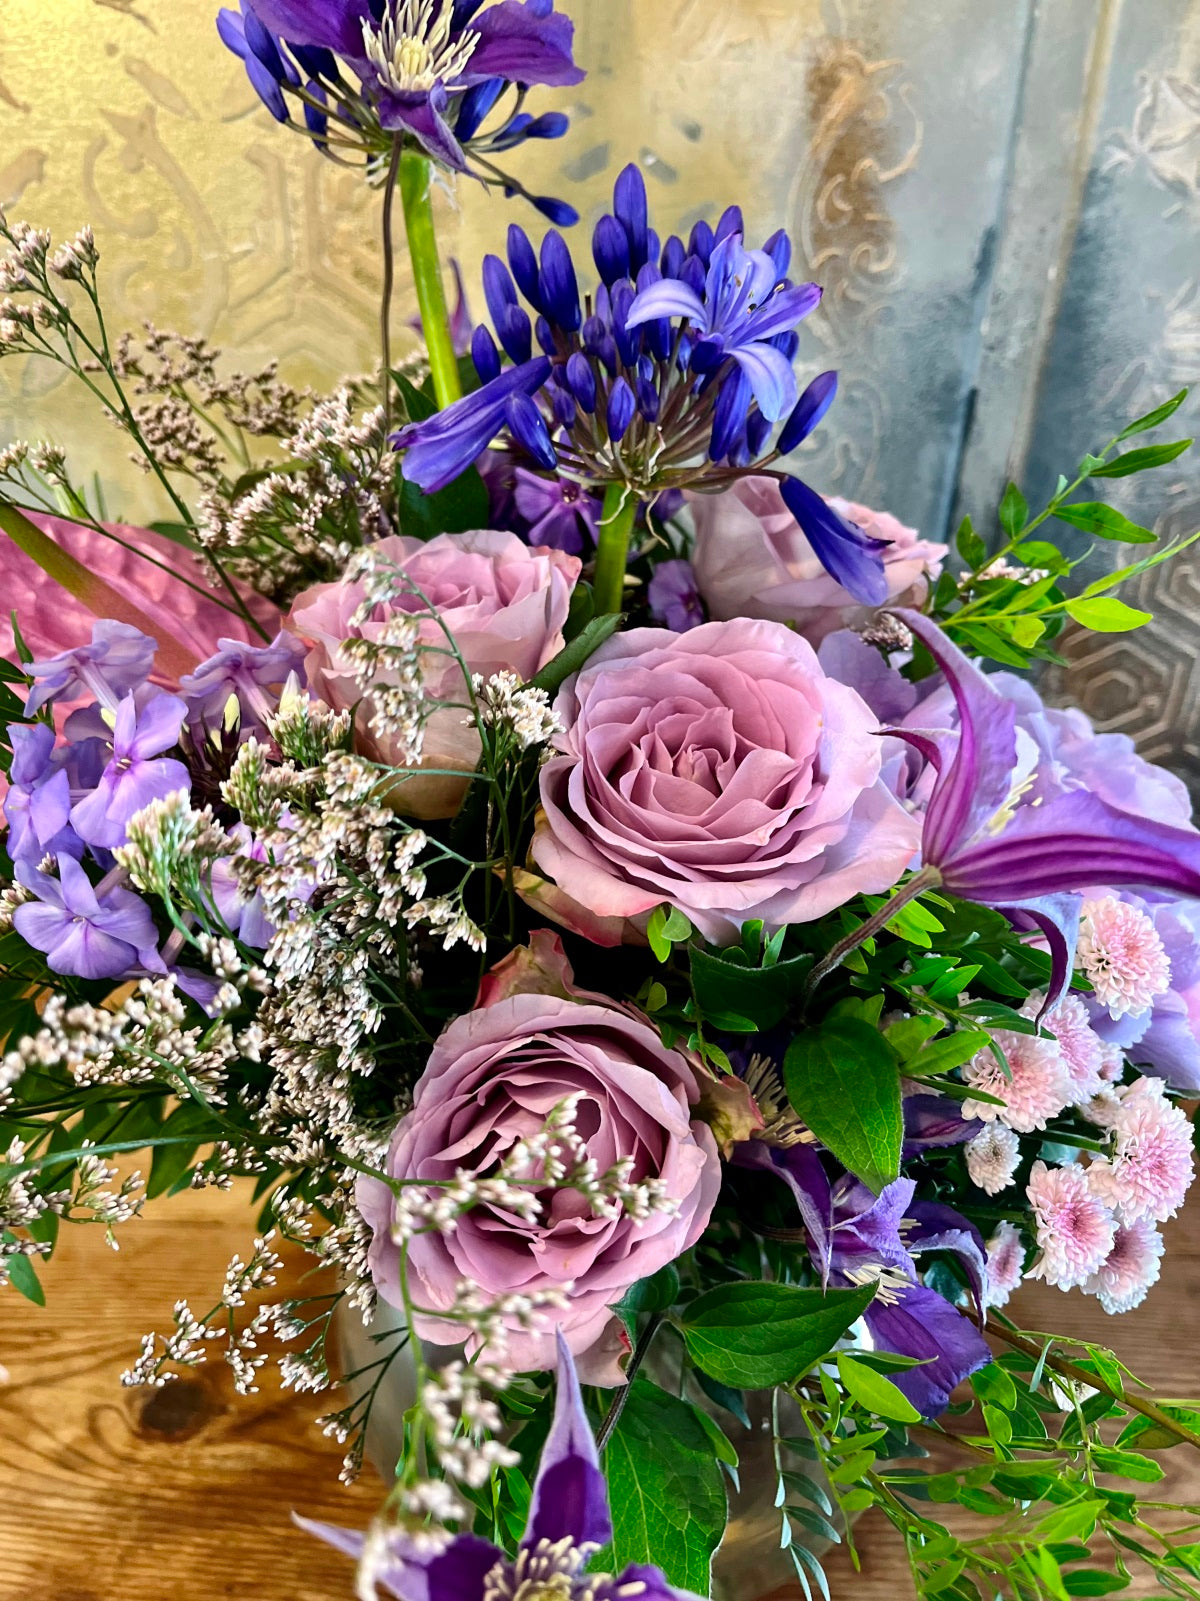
[494,1077]
[753,560]
[505,606]
[720,771]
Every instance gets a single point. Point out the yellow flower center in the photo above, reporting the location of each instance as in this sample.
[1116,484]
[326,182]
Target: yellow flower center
[412,47]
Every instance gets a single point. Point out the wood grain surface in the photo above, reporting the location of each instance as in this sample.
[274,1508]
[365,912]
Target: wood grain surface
[186,1493]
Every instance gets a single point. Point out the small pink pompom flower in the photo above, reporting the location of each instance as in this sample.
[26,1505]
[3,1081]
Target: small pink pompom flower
[993,1157]
[1152,1165]
[1038,1088]
[1075,1230]
[1132,1267]
[1123,956]
[1005,1264]
[1083,1052]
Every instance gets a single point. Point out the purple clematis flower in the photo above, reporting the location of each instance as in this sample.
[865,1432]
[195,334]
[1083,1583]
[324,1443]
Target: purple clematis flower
[118,660]
[254,674]
[37,806]
[568,1521]
[1033,864]
[100,932]
[857,1237]
[136,772]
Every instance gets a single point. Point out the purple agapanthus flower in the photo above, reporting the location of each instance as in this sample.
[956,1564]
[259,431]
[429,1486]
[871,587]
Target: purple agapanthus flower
[118,660]
[104,931]
[856,1237]
[672,375]
[1030,862]
[569,1521]
[136,773]
[674,596]
[253,674]
[37,806]
[429,70]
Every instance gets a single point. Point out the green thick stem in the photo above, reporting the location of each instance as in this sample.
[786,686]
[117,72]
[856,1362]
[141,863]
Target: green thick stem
[416,187]
[612,548]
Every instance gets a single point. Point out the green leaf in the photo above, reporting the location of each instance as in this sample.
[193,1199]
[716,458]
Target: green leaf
[1077,1521]
[653,1294]
[1106,522]
[459,507]
[572,657]
[1106,615]
[945,1054]
[873,1391]
[665,1488]
[667,927]
[1152,1436]
[993,1384]
[969,545]
[1126,1464]
[1014,511]
[1140,461]
[23,1278]
[1093,1581]
[1153,418]
[843,1082]
[755,1335]
[762,994]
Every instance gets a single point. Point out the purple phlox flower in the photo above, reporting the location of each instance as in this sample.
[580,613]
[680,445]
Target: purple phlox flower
[432,69]
[568,1522]
[1030,862]
[461,325]
[555,512]
[245,915]
[671,375]
[119,659]
[674,596]
[104,931]
[37,806]
[136,772]
[252,674]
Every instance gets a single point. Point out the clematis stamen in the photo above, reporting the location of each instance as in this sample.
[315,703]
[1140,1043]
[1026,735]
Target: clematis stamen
[413,48]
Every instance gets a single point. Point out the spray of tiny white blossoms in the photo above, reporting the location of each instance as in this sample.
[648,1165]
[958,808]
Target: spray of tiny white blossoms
[520,710]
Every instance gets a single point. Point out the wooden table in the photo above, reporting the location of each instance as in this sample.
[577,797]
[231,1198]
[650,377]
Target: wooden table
[185,1493]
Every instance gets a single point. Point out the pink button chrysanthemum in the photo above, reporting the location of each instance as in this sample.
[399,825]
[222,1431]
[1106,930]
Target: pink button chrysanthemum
[1133,1266]
[1151,1166]
[1082,1049]
[1036,1088]
[1075,1230]
[1120,951]
[1005,1264]
[993,1157]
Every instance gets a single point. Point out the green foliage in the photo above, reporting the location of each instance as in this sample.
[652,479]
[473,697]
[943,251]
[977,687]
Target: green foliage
[574,654]
[666,1488]
[667,927]
[748,982]
[760,1334]
[843,1080]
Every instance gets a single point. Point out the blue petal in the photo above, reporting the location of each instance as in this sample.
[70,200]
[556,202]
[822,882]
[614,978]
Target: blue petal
[559,212]
[475,106]
[523,261]
[529,429]
[923,1324]
[610,250]
[558,284]
[630,206]
[582,380]
[845,552]
[809,410]
[440,449]
[515,334]
[771,376]
[729,418]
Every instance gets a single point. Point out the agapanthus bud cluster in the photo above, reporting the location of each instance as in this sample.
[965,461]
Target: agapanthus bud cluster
[673,374]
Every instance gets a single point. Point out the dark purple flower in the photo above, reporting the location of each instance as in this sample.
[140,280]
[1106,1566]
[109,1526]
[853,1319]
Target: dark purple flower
[253,674]
[37,806]
[101,932]
[136,772]
[1034,863]
[671,376]
[431,69]
[568,1520]
[557,512]
[118,660]
[673,596]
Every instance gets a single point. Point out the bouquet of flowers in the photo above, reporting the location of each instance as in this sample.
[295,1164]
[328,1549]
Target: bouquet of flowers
[630,915]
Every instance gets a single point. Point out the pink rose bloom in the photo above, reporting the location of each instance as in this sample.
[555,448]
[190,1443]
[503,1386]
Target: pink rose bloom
[753,560]
[494,1076]
[505,606]
[719,771]
[51,620]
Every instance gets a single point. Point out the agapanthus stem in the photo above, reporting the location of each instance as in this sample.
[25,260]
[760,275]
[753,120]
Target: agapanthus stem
[612,548]
[416,187]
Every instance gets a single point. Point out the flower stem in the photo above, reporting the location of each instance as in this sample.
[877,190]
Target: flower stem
[617,1405]
[927,878]
[612,548]
[416,181]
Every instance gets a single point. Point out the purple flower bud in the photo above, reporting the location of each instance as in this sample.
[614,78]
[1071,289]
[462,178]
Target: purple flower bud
[701,241]
[562,403]
[694,274]
[779,248]
[648,398]
[524,265]
[529,429]
[845,552]
[707,355]
[485,355]
[787,344]
[674,255]
[558,211]
[316,121]
[809,410]
[731,223]
[658,332]
[730,415]
[499,293]
[475,106]
[758,429]
[515,336]
[630,206]
[629,340]
[557,283]
[550,125]
[622,404]
[610,250]
[315,62]
[545,337]
[582,380]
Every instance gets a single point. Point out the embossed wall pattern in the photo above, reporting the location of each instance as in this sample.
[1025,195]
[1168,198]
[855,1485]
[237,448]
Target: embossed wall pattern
[1002,202]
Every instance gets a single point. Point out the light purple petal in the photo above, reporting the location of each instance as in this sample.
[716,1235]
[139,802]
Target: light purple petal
[157,727]
[670,297]
[772,378]
[570,1500]
[78,896]
[1057,919]
[455,1573]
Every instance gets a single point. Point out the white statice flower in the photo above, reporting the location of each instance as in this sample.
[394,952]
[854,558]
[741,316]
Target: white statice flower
[503,701]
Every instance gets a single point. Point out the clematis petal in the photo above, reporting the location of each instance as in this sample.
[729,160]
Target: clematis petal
[570,1500]
[921,1323]
[419,1572]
